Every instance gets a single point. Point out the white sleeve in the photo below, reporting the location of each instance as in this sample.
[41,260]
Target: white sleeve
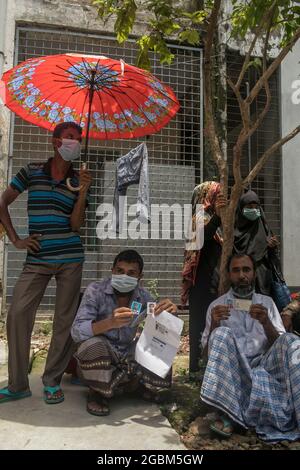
[206,331]
[275,318]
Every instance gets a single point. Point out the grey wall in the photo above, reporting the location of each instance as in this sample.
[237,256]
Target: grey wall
[290,72]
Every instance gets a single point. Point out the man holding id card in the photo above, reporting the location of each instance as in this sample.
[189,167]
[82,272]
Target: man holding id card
[252,374]
[106,325]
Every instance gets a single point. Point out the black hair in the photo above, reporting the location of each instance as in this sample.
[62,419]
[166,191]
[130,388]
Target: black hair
[129,256]
[66,125]
[237,256]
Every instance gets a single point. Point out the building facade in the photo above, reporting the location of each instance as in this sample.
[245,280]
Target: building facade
[33,28]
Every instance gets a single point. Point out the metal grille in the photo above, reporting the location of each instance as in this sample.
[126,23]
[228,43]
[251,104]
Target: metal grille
[268,183]
[175,161]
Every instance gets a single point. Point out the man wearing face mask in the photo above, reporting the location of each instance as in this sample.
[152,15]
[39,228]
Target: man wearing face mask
[54,248]
[106,336]
[252,374]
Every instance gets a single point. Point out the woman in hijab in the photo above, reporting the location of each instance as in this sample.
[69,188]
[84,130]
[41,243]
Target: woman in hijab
[200,274]
[253,237]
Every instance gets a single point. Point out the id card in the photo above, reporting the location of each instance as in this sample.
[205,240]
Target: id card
[136,308]
[150,308]
[138,314]
[242,304]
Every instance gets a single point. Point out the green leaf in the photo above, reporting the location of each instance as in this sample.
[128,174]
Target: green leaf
[143,59]
[125,20]
[191,36]
[105,7]
[256,63]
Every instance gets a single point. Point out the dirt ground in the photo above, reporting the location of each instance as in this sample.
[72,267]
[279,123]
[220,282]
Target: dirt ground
[191,417]
[181,404]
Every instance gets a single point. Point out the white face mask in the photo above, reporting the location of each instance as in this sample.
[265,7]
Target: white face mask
[123,283]
[70,149]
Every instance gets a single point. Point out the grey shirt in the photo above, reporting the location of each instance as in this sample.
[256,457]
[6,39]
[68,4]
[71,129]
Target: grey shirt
[98,303]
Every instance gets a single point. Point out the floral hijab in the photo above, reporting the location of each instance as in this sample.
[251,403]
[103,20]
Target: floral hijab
[205,194]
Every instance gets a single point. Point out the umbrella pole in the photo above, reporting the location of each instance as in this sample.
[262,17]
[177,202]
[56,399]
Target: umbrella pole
[85,155]
[91,96]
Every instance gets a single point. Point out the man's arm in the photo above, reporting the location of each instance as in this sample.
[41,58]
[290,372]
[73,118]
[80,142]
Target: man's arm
[30,243]
[271,333]
[260,313]
[78,214]
[120,317]
[86,323]
[218,313]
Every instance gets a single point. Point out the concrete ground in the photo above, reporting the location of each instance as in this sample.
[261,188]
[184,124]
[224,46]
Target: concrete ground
[132,424]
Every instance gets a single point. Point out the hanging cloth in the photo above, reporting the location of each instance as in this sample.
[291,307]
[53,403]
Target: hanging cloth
[132,168]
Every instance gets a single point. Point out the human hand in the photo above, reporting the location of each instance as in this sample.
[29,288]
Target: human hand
[121,316]
[260,313]
[165,304]
[221,202]
[273,242]
[30,243]
[286,317]
[219,313]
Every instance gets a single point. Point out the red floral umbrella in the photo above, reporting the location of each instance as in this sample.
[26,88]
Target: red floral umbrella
[109,98]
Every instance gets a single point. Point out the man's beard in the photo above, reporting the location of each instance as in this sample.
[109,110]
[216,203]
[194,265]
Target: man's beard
[243,291]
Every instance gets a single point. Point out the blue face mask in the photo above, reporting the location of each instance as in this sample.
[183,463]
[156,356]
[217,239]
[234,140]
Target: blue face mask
[251,214]
[123,283]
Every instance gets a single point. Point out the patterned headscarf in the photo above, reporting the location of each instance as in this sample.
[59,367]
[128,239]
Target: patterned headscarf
[205,194]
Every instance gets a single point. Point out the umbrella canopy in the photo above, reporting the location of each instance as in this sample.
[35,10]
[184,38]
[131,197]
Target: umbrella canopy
[112,99]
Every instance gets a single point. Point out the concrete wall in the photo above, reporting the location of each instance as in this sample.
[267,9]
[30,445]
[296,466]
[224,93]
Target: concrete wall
[290,96]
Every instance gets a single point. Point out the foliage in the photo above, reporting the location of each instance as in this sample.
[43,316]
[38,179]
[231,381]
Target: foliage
[246,16]
[168,20]
[266,25]
[152,286]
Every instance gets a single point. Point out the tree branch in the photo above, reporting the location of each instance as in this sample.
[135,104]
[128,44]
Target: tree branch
[261,116]
[257,33]
[244,109]
[263,159]
[271,69]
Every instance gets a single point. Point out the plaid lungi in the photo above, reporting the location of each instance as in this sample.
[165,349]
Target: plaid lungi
[264,396]
[107,371]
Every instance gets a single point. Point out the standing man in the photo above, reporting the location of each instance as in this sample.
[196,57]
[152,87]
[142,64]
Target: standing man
[54,248]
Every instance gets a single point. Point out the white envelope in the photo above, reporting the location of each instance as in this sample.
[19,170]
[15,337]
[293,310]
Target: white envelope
[159,343]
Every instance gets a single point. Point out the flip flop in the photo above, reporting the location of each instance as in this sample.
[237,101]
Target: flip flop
[76,381]
[101,401]
[10,396]
[227,423]
[49,393]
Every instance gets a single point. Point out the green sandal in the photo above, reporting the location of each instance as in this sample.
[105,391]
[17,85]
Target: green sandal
[226,423]
[10,396]
[49,395]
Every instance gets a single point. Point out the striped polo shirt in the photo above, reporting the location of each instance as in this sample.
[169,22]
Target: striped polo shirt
[50,205]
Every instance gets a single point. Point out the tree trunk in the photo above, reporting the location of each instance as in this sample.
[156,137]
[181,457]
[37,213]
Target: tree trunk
[228,220]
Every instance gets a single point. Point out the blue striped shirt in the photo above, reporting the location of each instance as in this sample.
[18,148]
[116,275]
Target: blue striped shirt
[50,206]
